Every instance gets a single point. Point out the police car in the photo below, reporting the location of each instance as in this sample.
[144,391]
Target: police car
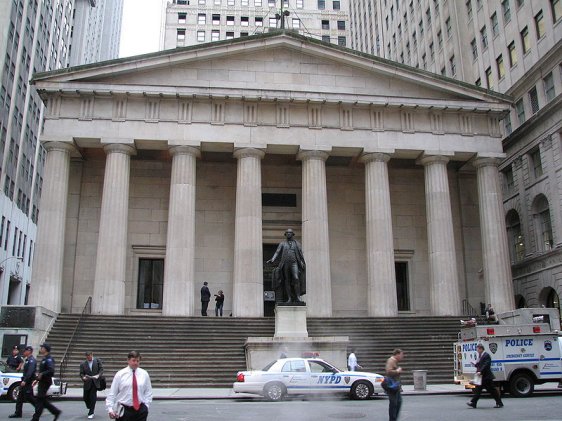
[297,376]
[10,384]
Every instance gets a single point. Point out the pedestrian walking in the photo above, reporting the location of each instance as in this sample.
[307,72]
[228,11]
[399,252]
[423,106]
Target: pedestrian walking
[131,392]
[44,381]
[26,385]
[91,373]
[352,363]
[205,298]
[219,302]
[483,368]
[393,370]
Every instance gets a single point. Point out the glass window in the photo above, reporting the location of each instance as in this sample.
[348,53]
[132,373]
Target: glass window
[440,38]
[296,23]
[539,24]
[548,83]
[428,16]
[494,23]
[507,124]
[420,25]
[520,110]
[489,79]
[474,48]
[150,283]
[230,35]
[536,162]
[514,235]
[525,41]
[556,7]
[543,222]
[244,21]
[321,4]
[448,27]
[342,41]
[259,21]
[326,38]
[200,36]
[484,37]
[500,67]
[335,5]
[402,285]
[272,22]
[325,24]
[294,366]
[215,35]
[201,18]
[431,51]
[300,4]
[452,65]
[512,54]
[341,25]
[180,34]
[182,17]
[506,10]
[534,99]
[230,20]
[216,19]
[468,5]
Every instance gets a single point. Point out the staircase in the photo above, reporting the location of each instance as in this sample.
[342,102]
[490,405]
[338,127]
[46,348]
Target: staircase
[207,352]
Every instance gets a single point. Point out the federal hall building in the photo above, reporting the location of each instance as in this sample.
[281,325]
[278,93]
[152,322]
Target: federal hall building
[170,169]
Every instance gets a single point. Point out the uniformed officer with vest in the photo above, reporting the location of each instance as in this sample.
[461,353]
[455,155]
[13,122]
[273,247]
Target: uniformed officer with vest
[44,380]
[26,385]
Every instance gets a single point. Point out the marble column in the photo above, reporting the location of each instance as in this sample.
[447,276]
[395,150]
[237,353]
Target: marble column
[315,239]
[444,284]
[248,248]
[495,251]
[381,277]
[109,280]
[178,298]
[46,284]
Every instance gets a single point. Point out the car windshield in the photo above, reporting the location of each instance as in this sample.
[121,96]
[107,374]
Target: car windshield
[267,367]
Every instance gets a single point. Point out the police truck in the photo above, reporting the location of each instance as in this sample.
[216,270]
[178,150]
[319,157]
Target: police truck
[525,346]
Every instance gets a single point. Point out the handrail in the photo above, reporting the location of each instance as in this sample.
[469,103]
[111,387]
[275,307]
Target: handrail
[467,309]
[65,357]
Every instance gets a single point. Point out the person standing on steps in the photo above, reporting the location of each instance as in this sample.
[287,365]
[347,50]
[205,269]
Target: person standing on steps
[205,298]
[483,368]
[219,302]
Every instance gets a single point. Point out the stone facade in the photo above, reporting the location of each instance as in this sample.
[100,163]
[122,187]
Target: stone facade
[349,137]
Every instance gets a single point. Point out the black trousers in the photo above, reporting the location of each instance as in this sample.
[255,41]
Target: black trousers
[489,386]
[26,394]
[90,397]
[394,405]
[204,305]
[131,415]
[42,401]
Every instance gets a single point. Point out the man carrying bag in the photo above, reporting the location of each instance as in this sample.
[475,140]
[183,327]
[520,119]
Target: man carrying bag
[91,373]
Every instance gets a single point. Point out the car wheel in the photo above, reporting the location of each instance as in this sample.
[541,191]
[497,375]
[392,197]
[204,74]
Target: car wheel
[274,392]
[521,385]
[361,390]
[14,391]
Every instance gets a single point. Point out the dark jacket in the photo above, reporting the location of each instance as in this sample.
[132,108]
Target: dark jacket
[205,293]
[29,369]
[97,368]
[14,362]
[483,365]
[46,370]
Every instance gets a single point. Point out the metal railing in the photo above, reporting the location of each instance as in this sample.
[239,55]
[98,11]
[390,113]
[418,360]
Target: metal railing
[66,356]
[467,309]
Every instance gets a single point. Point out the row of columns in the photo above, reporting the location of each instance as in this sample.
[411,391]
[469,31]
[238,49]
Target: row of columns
[178,300]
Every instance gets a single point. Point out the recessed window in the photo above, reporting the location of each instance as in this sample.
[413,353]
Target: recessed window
[440,38]
[536,163]
[326,38]
[180,34]
[494,23]
[484,37]
[287,200]
[548,83]
[216,20]
[321,4]
[520,110]
[272,22]
[512,54]
[325,24]
[335,5]
[244,21]
[468,5]
[489,78]
[300,4]
[556,7]
[500,67]
[243,34]
[296,23]
[506,10]
[230,35]
[525,40]
[200,36]
[448,27]
[201,18]
[341,25]
[182,17]
[474,48]
[259,21]
[428,17]
[514,235]
[539,24]
[342,41]
[230,20]
[534,99]
[507,124]
[215,35]
[453,65]
[244,3]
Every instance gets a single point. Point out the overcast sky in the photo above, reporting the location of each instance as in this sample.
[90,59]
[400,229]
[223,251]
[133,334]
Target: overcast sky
[140,32]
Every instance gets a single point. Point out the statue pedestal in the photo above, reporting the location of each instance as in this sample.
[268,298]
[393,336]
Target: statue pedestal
[290,321]
[291,338]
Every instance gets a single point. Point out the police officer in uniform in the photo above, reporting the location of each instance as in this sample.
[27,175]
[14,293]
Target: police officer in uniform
[44,380]
[14,361]
[26,389]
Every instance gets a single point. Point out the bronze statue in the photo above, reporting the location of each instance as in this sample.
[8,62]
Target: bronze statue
[289,275]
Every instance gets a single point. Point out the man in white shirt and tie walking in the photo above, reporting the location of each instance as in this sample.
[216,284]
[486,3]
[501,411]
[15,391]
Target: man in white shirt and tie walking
[131,392]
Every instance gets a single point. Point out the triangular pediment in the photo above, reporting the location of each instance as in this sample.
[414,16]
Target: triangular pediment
[281,64]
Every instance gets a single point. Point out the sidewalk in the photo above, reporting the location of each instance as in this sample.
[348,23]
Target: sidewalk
[227,393]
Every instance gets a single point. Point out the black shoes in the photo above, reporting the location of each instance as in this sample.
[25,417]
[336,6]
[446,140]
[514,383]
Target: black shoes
[499,405]
[15,416]
[57,416]
[471,404]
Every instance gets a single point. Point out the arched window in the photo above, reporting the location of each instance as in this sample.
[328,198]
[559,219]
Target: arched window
[515,236]
[520,301]
[552,299]
[543,226]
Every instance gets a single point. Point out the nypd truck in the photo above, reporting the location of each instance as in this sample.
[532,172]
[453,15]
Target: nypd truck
[525,346]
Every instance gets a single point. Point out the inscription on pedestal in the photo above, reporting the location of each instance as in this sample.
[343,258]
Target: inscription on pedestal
[20,317]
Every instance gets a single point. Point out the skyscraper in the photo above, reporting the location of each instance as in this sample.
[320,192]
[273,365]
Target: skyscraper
[199,21]
[40,36]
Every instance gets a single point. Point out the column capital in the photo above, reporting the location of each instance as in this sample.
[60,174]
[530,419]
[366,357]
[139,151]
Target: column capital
[486,162]
[433,159]
[59,146]
[119,148]
[185,150]
[305,155]
[374,156]
[249,153]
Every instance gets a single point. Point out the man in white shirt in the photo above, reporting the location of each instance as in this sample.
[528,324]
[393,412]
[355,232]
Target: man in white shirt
[131,392]
[352,361]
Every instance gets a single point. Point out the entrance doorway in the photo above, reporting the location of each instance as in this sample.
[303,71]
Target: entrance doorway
[269,292]
[150,283]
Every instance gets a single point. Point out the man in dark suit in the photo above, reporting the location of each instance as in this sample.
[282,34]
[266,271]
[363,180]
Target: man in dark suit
[483,367]
[26,385]
[91,371]
[205,298]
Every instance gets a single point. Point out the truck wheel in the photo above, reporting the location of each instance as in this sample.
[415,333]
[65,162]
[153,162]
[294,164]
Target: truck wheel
[361,390]
[274,392]
[14,391]
[521,385]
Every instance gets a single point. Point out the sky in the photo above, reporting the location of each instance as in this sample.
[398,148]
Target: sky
[140,31]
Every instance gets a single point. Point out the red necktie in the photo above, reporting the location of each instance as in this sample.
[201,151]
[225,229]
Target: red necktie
[136,403]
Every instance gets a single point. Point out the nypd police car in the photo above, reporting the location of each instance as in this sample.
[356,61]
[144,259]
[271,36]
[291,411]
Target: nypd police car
[297,376]
[10,384]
